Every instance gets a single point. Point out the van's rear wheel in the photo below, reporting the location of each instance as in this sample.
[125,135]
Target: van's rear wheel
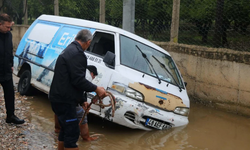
[24,86]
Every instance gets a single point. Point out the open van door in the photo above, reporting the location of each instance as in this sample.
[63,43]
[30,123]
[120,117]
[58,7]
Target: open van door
[101,53]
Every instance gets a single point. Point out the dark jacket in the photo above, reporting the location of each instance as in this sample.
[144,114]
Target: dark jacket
[69,81]
[6,56]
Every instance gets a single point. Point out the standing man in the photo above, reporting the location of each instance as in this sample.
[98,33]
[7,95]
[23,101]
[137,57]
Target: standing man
[6,68]
[67,86]
[91,73]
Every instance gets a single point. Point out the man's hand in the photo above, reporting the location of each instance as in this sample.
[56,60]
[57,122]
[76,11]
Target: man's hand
[85,106]
[101,92]
[12,69]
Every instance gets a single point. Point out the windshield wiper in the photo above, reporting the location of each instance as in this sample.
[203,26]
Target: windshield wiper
[163,66]
[145,56]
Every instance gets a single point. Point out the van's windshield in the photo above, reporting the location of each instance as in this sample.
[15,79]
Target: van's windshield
[163,64]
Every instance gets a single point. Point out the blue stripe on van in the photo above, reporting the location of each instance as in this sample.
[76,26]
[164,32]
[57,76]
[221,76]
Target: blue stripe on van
[162,91]
[161,97]
[70,120]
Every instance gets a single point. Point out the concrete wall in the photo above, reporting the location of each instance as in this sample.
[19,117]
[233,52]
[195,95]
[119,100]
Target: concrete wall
[17,33]
[215,77]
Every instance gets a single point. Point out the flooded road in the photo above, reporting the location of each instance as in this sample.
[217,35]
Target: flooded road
[208,129]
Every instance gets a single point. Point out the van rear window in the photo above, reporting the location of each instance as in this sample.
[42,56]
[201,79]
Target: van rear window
[38,31]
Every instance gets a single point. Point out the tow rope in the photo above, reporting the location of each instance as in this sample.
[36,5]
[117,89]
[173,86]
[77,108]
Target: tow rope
[96,99]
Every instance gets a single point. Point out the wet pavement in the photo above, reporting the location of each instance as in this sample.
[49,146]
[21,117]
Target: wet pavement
[208,129]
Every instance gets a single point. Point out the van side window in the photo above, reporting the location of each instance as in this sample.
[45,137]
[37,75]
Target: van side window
[101,43]
[38,31]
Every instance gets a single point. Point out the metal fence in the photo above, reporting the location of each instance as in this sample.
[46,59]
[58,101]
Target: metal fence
[215,23]
[212,23]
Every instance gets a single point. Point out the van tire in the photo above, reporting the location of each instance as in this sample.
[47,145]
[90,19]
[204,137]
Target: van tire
[24,86]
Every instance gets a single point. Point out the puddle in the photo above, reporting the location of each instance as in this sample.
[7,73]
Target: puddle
[208,129]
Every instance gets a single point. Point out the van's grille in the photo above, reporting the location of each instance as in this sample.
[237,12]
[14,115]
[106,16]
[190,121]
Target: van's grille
[130,116]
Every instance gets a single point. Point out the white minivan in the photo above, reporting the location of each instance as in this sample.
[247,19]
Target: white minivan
[149,90]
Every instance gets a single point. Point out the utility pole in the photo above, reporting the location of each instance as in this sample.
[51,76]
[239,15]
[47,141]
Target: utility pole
[102,11]
[25,11]
[175,21]
[56,7]
[128,19]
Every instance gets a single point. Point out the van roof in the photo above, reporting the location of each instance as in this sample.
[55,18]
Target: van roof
[97,25]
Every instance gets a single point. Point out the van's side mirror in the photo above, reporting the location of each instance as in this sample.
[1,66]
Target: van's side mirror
[109,60]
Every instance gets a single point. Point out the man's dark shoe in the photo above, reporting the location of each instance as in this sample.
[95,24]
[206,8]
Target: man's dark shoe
[14,119]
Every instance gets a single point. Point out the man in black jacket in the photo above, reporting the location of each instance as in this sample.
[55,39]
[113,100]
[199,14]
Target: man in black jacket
[91,73]
[6,68]
[67,86]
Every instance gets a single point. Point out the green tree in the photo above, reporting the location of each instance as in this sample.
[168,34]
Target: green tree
[141,17]
[238,14]
[69,8]
[160,14]
[200,13]
[114,9]
[84,9]
[15,9]
[219,39]
[39,7]
[87,9]
[153,16]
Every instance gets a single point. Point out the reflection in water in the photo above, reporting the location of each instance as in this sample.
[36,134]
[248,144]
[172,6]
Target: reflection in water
[208,129]
[123,139]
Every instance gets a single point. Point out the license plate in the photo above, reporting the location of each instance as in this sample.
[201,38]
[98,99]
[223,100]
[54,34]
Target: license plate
[156,124]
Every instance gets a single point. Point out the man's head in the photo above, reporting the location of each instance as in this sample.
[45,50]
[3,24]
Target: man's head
[92,70]
[5,23]
[84,38]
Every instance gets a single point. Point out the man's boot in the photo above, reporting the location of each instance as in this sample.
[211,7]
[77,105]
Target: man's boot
[14,119]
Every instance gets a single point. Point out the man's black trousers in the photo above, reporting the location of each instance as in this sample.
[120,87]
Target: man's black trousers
[9,96]
[67,117]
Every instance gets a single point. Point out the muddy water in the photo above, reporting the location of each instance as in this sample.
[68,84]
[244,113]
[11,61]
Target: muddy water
[208,129]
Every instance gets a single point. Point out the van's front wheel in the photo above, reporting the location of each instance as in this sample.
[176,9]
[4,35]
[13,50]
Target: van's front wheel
[24,86]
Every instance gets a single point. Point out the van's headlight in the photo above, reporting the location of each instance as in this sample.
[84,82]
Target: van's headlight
[184,111]
[133,94]
[129,92]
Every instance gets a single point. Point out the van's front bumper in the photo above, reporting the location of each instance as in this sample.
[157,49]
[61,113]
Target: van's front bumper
[134,114]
